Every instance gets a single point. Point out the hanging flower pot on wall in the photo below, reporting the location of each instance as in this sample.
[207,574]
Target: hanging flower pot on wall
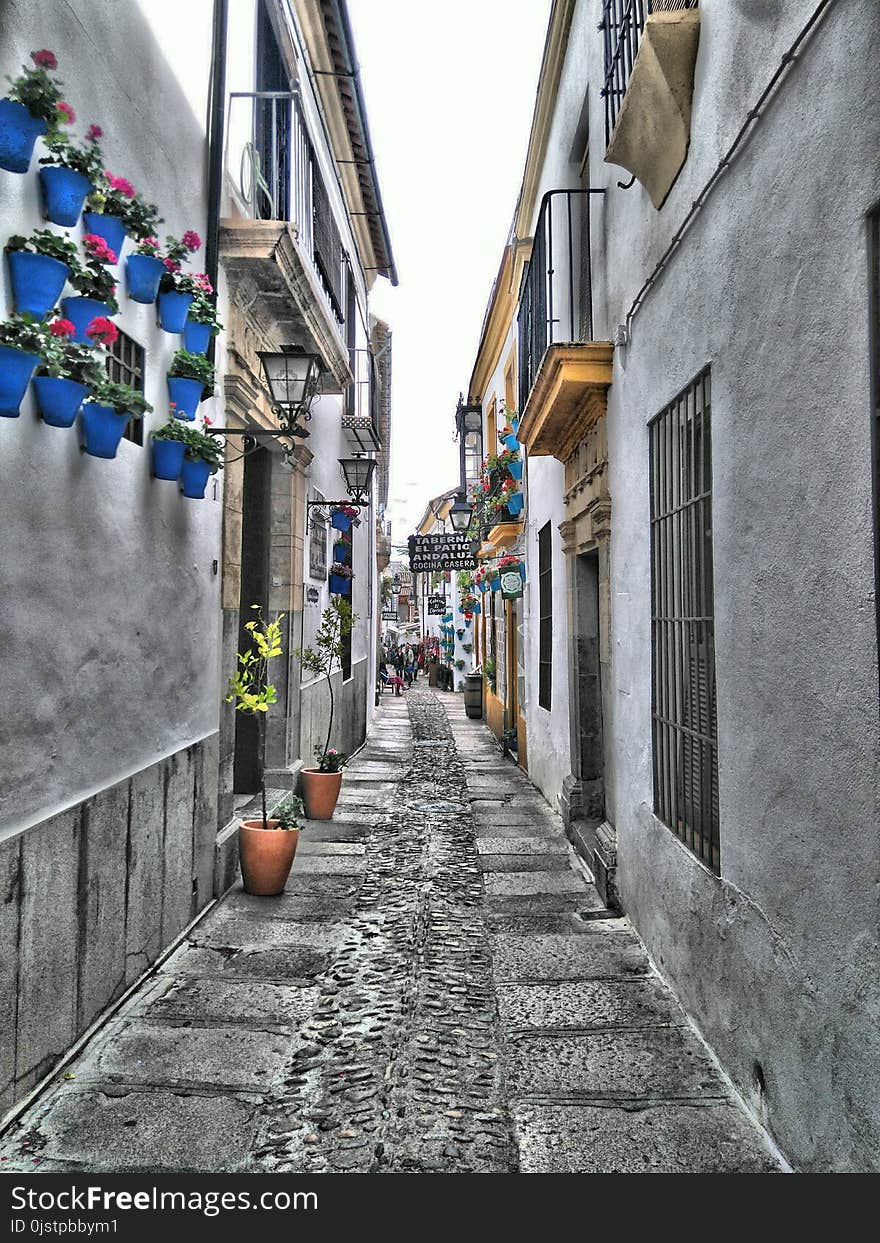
[19,131]
[197,337]
[37,281]
[58,399]
[185,394]
[168,458]
[515,503]
[64,191]
[194,476]
[16,369]
[516,470]
[111,228]
[144,273]
[173,309]
[103,429]
[510,442]
[339,586]
[340,521]
[81,312]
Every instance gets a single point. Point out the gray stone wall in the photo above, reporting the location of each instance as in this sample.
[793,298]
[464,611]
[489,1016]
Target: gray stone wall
[349,720]
[91,897]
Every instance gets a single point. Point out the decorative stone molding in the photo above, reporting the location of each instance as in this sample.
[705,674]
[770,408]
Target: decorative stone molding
[567,398]
[289,296]
[586,497]
[653,128]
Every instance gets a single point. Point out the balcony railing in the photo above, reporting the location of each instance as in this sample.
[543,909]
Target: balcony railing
[270,153]
[360,414]
[622,24]
[556,296]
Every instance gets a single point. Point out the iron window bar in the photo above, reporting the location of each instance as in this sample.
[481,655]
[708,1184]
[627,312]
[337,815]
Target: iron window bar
[125,365]
[683,694]
[621,28]
[556,293]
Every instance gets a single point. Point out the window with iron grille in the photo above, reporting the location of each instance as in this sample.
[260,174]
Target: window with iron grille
[125,365]
[328,243]
[622,24]
[545,617]
[683,704]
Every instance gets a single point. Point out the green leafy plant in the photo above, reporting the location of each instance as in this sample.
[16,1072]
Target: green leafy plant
[204,311]
[91,279]
[122,397]
[191,366]
[337,622]
[199,445]
[23,332]
[249,687]
[172,430]
[85,158]
[489,671]
[40,93]
[44,242]
[288,812]
[63,359]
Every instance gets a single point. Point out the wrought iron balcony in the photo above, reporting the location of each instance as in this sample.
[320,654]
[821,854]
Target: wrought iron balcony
[557,366]
[360,415]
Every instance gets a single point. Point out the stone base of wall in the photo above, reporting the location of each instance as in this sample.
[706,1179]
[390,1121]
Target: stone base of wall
[91,897]
[596,842]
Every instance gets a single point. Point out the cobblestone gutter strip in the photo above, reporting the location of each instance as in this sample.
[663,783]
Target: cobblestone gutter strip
[400,1070]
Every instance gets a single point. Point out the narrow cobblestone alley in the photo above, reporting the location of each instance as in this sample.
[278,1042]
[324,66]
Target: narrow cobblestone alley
[438,989]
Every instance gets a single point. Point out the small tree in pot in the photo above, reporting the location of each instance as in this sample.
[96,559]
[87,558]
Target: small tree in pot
[266,847]
[321,785]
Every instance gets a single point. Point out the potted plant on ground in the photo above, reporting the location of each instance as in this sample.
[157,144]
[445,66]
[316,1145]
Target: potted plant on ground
[68,174]
[190,374]
[95,287]
[266,847]
[22,341]
[39,266]
[168,446]
[33,106]
[105,413]
[202,457]
[66,372]
[321,785]
[340,578]
[177,289]
[202,322]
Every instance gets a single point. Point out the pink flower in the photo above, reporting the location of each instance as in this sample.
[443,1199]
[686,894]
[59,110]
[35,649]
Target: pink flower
[201,279]
[207,422]
[98,248]
[102,331]
[62,328]
[66,111]
[191,240]
[93,133]
[173,265]
[119,183]
[44,59]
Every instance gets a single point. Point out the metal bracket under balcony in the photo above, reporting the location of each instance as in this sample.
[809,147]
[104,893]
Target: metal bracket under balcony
[567,397]
[268,255]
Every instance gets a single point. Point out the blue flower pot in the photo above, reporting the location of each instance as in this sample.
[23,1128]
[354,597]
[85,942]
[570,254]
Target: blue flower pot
[37,281]
[186,395]
[484,586]
[111,228]
[495,582]
[168,459]
[173,308]
[102,429]
[194,476]
[514,503]
[196,337]
[515,469]
[144,273]
[339,586]
[58,399]
[340,553]
[64,192]
[340,521]
[510,442]
[16,369]
[18,133]
[81,312]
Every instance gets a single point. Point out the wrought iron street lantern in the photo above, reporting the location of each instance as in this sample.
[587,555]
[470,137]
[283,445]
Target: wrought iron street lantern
[469,428]
[460,513]
[292,375]
[358,475]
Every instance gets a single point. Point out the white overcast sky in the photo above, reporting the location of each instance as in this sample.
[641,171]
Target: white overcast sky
[450,89]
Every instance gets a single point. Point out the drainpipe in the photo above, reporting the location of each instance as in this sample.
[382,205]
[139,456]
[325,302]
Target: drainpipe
[216,120]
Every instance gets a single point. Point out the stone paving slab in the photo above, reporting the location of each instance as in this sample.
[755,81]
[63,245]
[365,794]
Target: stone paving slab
[254,1003]
[588,1004]
[562,956]
[517,844]
[530,884]
[282,963]
[307,848]
[662,1062]
[659,1139]
[546,861]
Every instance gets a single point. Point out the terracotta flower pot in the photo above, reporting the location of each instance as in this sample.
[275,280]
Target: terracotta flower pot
[320,792]
[266,856]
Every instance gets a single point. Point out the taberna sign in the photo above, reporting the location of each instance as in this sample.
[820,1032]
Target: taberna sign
[455,551]
[511,584]
[436,606]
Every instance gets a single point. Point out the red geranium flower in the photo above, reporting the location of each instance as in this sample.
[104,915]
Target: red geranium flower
[66,111]
[120,184]
[203,282]
[191,240]
[98,248]
[44,59]
[93,133]
[103,331]
[173,265]
[207,422]
[62,328]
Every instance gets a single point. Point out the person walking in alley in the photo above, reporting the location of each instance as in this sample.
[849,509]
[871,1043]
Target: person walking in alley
[409,664]
[390,678]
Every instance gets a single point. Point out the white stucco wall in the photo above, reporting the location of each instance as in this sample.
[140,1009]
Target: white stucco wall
[109,596]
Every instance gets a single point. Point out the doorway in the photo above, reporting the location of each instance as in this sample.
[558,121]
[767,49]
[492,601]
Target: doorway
[587,749]
[256,498]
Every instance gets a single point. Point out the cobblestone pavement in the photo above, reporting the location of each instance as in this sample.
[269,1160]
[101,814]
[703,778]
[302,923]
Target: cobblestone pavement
[438,988]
